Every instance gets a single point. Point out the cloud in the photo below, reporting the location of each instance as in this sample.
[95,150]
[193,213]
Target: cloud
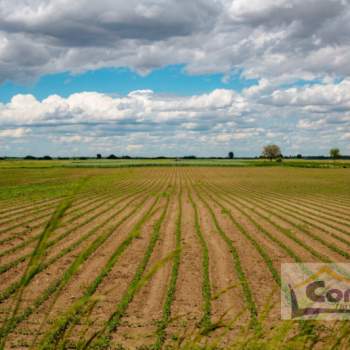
[14,133]
[278,40]
[138,107]
[132,148]
[298,50]
[71,139]
[308,119]
[329,96]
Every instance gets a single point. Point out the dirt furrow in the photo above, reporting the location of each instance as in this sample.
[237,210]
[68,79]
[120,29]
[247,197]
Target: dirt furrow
[74,288]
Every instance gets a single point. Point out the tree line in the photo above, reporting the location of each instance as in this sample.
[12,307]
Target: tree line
[273,151]
[270,151]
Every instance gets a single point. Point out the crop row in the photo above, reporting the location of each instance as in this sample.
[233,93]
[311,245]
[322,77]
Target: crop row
[60,282]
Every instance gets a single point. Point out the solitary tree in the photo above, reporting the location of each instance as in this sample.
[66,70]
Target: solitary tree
[112,156]
[334,153]
[231,155]
[271,151]
[98,156]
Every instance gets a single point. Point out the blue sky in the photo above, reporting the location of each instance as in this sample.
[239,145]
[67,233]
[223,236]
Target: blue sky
[171,79]
[174,78]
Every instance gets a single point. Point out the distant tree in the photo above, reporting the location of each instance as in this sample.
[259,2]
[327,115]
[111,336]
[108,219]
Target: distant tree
[271,152]
[299,156]
[47,158]
[231,155]
[112,156]
[189,157]
[334,153]
[29,157]
[98,156]
[125,157]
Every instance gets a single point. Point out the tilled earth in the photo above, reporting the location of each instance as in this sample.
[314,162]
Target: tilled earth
[153,257]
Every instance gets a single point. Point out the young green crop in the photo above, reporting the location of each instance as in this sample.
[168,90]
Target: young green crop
[206,288]
[131,198]
[53,337]
[164,322]
[36,260]
[103,335]
[59,283]
[237,262]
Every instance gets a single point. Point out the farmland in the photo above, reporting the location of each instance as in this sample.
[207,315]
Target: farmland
[164,256]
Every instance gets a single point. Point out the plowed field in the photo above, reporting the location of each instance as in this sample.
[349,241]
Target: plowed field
[165,257]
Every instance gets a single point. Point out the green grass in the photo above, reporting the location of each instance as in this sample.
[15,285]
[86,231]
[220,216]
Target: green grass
[130,163]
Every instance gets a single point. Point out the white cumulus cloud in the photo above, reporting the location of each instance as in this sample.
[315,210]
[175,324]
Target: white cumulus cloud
[278,40]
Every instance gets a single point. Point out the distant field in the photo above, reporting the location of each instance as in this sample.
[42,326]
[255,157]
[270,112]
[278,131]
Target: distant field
[119,163]
[165,257]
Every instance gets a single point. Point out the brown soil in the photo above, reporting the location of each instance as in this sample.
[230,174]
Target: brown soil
[230,188]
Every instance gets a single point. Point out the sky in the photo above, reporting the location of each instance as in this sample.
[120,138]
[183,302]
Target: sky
[174,78]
